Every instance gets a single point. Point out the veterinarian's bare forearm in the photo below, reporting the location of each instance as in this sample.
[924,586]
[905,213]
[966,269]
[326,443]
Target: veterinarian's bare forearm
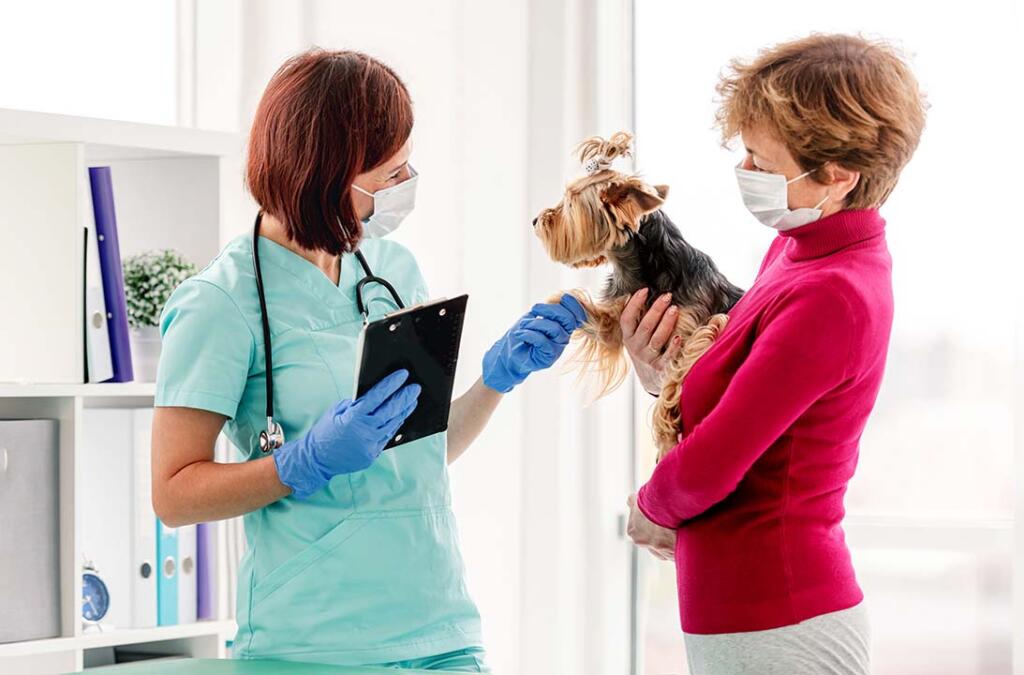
[207,491]
[468,417]
[189,486]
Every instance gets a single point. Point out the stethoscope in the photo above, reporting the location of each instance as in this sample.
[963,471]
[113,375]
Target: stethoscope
[272,437]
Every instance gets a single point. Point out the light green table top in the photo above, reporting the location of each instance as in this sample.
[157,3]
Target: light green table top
[246,667]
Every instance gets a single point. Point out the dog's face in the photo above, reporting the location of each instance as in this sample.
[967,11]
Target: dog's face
[597,214]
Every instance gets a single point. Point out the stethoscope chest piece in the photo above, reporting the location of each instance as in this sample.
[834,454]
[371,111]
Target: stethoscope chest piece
[272,437]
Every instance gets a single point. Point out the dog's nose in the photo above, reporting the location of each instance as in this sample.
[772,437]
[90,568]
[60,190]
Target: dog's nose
[534,223]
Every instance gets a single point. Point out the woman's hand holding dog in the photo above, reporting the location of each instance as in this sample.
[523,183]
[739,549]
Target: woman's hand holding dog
[660,541]
[646,336]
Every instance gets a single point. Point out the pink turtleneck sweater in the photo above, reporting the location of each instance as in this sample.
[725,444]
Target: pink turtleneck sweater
[772,416]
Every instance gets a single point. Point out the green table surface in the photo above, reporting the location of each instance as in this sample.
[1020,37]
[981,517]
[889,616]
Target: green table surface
[246,667]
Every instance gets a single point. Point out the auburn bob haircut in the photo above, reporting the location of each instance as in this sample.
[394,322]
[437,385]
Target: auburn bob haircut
[325,118]
[830,98]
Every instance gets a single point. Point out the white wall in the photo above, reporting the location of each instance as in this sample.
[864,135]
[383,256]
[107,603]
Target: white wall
[502,92]
[69,57]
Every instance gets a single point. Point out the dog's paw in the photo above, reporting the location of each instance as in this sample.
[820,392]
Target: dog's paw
[581,296]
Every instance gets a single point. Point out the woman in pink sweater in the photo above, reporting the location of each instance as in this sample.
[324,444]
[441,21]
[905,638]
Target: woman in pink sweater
[750,502]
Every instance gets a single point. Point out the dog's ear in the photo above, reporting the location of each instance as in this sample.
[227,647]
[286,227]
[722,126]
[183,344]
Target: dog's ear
[630,200]
[662,191]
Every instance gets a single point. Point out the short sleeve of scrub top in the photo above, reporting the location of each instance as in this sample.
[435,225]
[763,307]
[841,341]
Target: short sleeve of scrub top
[368,569]
[207,350]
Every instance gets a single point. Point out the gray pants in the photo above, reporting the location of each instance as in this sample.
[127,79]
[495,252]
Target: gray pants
[830,644]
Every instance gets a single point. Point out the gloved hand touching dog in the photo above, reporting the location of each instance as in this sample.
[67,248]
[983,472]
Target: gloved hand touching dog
[348,437]
[534,343]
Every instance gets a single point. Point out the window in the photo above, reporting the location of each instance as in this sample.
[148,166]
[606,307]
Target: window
[113,59]
[930,509]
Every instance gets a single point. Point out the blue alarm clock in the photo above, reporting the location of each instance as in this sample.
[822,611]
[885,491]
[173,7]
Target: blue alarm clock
[95,596]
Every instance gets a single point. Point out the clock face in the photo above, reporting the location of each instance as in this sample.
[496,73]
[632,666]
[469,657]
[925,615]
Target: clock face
[95,598]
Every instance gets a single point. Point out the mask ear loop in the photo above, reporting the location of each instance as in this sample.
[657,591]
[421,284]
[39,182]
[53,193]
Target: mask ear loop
[412,174]
[804,175]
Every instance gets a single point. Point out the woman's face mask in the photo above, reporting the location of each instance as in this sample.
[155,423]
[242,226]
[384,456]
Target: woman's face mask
[390,206]
[766,195]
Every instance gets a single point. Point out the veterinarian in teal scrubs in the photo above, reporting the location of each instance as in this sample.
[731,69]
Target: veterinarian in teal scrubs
[353,554]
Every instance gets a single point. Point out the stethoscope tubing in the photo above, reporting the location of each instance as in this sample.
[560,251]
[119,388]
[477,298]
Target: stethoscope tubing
[273,437]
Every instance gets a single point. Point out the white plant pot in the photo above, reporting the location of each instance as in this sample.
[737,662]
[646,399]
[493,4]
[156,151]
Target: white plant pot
[145,346]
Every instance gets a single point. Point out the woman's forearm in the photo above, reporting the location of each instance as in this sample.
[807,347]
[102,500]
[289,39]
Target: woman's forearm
[468,416]
[188,486]
[205,491]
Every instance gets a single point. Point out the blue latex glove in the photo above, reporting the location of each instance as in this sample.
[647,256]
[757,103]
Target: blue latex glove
[534,343]
[348,437]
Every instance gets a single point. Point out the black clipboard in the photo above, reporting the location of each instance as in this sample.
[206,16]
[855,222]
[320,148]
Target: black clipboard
[425,341]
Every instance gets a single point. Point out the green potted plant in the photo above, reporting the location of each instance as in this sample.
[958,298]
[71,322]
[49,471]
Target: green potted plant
[149,280]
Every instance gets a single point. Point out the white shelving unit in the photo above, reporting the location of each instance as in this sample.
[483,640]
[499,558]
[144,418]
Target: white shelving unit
[204,639]
[173,188]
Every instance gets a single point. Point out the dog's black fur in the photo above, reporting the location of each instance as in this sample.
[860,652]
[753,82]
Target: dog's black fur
[658,258]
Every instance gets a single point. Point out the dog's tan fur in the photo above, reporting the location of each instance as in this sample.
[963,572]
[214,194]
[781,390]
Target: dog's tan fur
[597,213]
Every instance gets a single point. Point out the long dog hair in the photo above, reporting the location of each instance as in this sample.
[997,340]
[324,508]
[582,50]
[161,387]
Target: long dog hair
[616,218]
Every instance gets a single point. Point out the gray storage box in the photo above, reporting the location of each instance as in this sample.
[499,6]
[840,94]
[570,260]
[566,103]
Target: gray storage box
[29,530]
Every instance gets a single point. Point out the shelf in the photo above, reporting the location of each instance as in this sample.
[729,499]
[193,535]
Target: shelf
[111,390]
[112,139]
[175,188]
[116,638]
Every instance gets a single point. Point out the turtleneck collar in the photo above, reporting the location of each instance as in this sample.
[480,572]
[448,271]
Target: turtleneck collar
[832,233]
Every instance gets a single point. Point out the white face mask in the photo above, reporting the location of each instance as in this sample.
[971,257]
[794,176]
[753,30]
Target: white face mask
[390,206]
[766,195]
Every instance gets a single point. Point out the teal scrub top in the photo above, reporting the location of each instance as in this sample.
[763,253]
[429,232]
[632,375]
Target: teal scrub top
[368,569]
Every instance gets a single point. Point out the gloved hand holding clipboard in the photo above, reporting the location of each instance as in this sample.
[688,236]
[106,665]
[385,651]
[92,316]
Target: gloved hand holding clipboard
[425,341]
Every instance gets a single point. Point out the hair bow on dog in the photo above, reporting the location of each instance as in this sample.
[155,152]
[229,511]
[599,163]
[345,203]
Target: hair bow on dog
[596,165]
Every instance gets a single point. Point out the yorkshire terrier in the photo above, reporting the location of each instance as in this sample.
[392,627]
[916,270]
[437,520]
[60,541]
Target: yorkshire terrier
[611,217]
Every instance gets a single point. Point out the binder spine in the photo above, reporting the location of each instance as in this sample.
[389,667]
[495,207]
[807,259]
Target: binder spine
[113,276]
[144,568]
[167,575]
